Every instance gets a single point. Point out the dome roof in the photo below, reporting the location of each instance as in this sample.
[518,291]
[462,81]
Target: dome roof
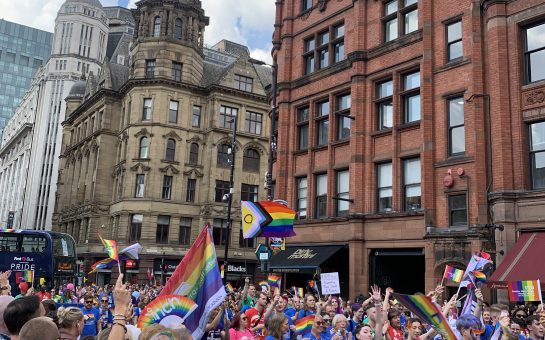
[95,3]
[78,89]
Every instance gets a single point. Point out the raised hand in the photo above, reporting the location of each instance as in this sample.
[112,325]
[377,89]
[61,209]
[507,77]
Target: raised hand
[375,293]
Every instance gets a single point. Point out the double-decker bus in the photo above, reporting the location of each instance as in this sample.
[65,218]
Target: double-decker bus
[51,256]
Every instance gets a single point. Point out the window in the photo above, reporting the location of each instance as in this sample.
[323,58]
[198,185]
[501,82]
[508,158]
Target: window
[322,123]
[228,116]
[243,83]
[326,46]
[248,192]
[173,112]
[456,131]
[222,188]
[411,97]
[321,196]
[135,230]
[171,150]
[301,197]
[411,184]
[384,187]
[343,188]
[167,188]
[396,12]
[537,154]
[178,28]
[157,26]
[150,68]
[343,120]
[146,111]
[176,72]
[384,105]
[223,156]
[196,117]
[306,5]
[139,188]
[454,41]
[253,122]
[534,53]
[219,232]
[302,128]
[190,193]
[184,237]
[144,148]
[194,153]
[250,160]
[457,206]
[163,223]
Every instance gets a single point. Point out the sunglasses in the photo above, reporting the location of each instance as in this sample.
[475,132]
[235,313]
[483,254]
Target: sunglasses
[520,315]
[327,320]
[90,301]
[319,323]
[104,300]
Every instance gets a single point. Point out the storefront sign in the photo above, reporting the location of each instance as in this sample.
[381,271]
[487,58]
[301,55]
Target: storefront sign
[303,254]
[65,266]
[131,264]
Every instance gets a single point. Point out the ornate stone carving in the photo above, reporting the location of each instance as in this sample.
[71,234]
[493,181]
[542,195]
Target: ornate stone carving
[143,132]
[193,173]
[140,167]
[194,139]
[534,97]
[169,169]
[322,4]
[172,134]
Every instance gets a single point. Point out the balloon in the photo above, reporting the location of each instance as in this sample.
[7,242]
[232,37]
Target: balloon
[23,287]
[70,286]
[136,294]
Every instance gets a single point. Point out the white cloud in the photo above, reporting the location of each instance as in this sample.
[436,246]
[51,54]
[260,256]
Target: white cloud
[34,13]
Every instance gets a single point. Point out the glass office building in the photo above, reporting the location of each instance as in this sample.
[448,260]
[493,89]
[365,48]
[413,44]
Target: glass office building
[22,50]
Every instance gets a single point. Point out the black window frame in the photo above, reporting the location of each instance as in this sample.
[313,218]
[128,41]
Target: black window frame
[221,188]
[400,16]
[409,93]
[223,159]
[343,194]
[527,54]
[196,115]
[226,114]
[303,114]
[162,231]
[166,193]
[451,211]
[140,179]
[251,160]
[407,186]
[176,71]
[320,201]
[306,5]
[249,192]
[380,208]
[220,238]
[381,102]
[170,150]
[532,156]
[342,114]
[150,68]
[135,228]
[451,128]
[147,111]
[243,83]
[321,121]
[315,47]
[184,231]
[299,198]
[193,154]
[449,43]
[178,28]
[191,190]
[253,122]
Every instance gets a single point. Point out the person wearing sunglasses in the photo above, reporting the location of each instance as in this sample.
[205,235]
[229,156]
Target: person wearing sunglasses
[239,328]
[91,315]
[318,329]
[105,314]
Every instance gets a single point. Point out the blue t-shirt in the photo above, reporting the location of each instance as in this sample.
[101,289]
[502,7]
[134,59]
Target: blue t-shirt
[106,317]
[304,313]
[290,312]
[311,336]
[91,321]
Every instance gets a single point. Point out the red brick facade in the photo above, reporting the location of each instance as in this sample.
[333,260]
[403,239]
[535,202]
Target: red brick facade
[491,64]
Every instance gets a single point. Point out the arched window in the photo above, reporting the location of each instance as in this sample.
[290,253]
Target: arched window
[157,26]
[223,155]
[144,147]
[250,160]
[194,153]
[178,29]
[171,150]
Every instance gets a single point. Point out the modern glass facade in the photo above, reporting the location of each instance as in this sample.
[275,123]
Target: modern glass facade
[22,50]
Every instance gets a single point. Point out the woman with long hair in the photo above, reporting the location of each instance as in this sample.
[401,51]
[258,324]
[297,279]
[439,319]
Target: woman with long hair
[70,321]
[239,328]
[278,326]
[308,308]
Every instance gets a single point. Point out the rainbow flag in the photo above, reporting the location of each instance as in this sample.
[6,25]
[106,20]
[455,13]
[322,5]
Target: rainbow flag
[198,277]
[267,219]
[313,286]
[24,276]
[304,325]
[453,274]
[107,263]
[229,287]
[274,281]
[299,291]
[477,276]
[425,309]
[529,290]
[168,310]
[111,248]
[264,286]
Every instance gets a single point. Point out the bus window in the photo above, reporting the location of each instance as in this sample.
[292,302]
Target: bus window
[33,243]
[63,245]
[8,242]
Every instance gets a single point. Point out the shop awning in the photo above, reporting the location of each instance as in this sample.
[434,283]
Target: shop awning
[299,259]
[521,261]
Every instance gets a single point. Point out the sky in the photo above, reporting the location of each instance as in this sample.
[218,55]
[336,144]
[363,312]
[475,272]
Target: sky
[247,22]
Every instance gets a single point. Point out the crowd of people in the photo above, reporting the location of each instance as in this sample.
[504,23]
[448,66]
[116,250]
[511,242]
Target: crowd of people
[249,313]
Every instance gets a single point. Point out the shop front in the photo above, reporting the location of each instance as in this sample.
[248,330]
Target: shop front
[163,269]
[236,272]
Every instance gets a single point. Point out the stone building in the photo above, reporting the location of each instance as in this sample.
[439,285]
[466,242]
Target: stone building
[145,153]
[410,134]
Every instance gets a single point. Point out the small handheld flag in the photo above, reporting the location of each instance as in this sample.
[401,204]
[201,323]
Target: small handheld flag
[529,290]
[304,325]
[107,263]
[477,276]
[274,281]
[111,248]
[229,287]
[453,274]
[130,252]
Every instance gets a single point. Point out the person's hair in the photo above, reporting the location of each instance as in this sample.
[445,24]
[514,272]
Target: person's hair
[392,313]
[20,311]
[360,327]
[275,325]
[529,320]
[236,321]
[67,317]
[42,328]
[49,306]
[182,333]
[4,302]
[467,321]
[369,307]
[410,321]
[149,331]
[355,307]
[307,295]
[337,318]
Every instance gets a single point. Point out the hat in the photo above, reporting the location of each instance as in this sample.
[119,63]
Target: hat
[23,287]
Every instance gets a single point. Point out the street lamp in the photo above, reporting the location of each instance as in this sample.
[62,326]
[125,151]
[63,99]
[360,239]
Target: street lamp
[230,195]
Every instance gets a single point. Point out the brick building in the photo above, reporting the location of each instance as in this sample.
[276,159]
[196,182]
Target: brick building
[404,131]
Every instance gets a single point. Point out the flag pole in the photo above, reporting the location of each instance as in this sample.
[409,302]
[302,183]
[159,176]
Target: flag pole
[33,283]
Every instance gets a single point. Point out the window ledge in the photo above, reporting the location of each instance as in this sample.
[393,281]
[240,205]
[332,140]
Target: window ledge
[377,215]
[533,85]
[194,165]
[321,220]
[170,162]
[341,142]
[300,152]
[379,133]
[455,160]
[319,147]
[141,159]
[452,64]
[409,126]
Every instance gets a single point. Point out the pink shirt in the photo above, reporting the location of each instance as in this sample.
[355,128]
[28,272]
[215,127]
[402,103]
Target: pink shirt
[238,335]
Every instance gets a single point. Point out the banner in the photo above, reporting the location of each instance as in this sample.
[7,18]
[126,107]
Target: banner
[529,290]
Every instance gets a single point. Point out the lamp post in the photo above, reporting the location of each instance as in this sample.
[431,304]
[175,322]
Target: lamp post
[230,196]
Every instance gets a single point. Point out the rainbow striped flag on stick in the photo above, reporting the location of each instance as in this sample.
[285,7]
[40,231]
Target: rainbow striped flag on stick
[107,263]
[198,277]
[453,274]
[477,277]
[111,248]
[304,325]
[529,290]
[425,309]
[24,276]
[274,281]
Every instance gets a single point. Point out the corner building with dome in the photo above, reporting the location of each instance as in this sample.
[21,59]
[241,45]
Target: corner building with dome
[145,145]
